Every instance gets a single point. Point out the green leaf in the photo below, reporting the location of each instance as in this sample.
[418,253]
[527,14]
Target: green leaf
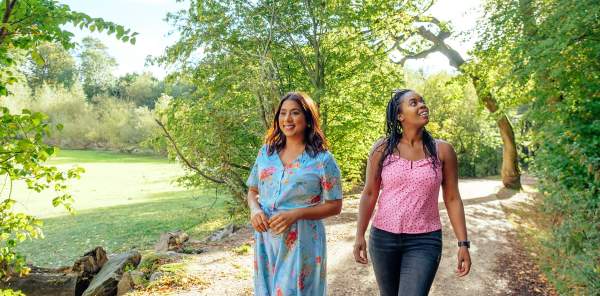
[37,58]
[120,32]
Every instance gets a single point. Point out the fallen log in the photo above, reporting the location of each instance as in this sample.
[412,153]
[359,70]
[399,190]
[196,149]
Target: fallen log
[47,284]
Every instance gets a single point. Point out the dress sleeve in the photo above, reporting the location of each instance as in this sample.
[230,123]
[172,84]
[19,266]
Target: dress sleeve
[331,182]
[253,177]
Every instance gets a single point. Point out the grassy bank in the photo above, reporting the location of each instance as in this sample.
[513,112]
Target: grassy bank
[122,201]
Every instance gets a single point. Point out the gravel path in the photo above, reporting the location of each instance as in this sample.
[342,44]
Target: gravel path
[230,273]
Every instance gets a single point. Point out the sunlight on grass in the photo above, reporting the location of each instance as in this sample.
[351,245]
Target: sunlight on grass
[85,156]
[121,228]
[120,205]
[126,180]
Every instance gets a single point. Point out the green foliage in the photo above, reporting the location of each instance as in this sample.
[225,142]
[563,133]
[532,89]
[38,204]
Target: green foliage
[96,67]
[151,261]
[554,60]
[22,157]
[53,65]
[253,53]
[243,249]
[106,123]
[11,293]
[458,118]
[140,89]
[26,25]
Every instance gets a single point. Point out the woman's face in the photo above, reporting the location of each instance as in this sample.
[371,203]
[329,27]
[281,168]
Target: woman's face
[292,121]
[413,110]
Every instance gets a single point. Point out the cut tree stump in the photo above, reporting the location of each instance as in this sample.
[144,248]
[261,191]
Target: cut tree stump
[106,281]
[171,241]
[87,266]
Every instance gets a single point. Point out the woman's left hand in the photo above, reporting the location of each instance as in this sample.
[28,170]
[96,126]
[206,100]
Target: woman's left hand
[464,262]
[282,221]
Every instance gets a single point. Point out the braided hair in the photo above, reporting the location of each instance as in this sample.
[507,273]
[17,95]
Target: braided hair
[393,131]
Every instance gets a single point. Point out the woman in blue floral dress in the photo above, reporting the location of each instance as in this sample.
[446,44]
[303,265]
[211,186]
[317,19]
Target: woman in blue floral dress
[295,182]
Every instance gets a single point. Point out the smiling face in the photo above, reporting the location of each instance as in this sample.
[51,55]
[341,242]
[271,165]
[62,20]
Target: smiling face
[292,120]
[413,110]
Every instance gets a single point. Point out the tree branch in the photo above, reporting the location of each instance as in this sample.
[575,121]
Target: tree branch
[185,160]
[419,55]
[456,60]
[239,166]
[426,8]
[9,7]
[263,70]
[439,45]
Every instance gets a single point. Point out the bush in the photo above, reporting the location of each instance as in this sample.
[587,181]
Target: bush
[106,123]
[549,53]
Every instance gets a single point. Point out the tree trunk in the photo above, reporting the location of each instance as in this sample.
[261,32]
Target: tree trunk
[511,176]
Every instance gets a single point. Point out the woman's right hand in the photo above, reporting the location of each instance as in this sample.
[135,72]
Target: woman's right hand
[360,250]
[259,221]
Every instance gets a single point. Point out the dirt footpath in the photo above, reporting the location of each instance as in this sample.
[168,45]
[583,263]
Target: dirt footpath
[228,270]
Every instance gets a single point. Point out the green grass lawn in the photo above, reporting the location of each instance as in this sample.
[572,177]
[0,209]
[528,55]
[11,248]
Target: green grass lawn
[122,202]
[87,156]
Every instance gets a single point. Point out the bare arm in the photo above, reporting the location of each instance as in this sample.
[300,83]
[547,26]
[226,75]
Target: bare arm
[257,216]
[454,204]
[368,199]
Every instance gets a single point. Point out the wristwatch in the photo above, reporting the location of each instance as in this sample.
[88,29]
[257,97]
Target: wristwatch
[464,243]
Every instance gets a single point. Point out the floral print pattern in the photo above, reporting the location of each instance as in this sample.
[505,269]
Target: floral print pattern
[293,263]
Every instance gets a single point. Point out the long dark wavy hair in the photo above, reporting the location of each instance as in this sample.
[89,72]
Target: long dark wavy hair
[313,135]
[393,131]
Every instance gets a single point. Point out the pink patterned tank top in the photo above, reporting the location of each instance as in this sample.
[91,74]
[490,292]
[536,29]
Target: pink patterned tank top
[408,202]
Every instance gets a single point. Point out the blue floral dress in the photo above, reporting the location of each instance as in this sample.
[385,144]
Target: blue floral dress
[293,262]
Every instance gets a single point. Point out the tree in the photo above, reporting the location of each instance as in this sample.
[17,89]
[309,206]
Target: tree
[25,25]
[550,55]
[254,52]
[96,67]
[141,89]
[427,35]
[58,67]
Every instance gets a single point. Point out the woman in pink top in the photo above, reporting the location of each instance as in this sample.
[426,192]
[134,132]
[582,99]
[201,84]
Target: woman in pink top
[408,166]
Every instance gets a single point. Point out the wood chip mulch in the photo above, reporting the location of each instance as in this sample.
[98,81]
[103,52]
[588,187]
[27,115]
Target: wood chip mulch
[523,274]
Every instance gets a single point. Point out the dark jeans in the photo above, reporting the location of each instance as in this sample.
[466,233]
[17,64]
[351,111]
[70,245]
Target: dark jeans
[405,264]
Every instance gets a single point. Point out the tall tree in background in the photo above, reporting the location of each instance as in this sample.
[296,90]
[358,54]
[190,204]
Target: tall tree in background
[141,89]
[96,67]
[58,67]
[24,26]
